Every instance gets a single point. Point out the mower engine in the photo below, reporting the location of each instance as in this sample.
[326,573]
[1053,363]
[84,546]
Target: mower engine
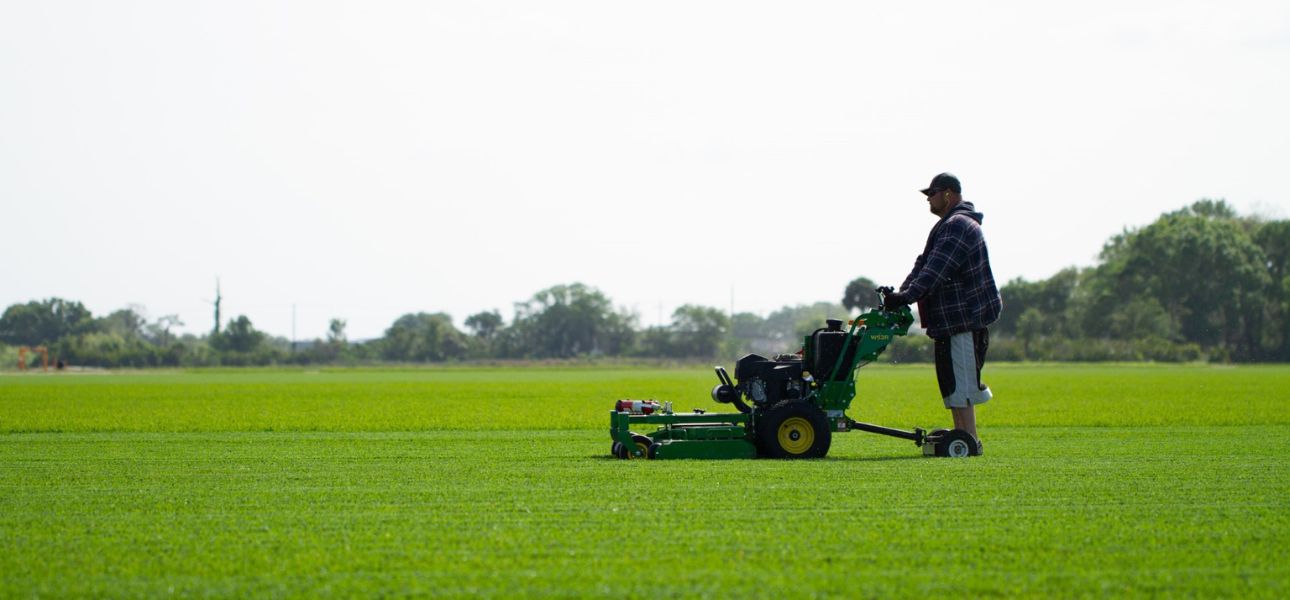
[765,381]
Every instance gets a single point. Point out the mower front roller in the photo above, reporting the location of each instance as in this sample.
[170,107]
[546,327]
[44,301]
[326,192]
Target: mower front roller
[639,447]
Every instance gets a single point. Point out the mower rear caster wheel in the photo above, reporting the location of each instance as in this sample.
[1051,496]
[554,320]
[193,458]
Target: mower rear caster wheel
[956,443]
[793,429]
[930,439]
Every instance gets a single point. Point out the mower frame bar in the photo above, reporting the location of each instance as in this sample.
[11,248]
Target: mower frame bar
[917,435]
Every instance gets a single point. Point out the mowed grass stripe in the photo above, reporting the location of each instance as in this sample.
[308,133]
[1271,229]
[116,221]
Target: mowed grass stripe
[559,398]
[1049,511]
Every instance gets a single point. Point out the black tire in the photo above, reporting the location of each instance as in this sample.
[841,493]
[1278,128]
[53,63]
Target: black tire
[653,451]
[931,439]
[625,452]
[643,442]
[956,443]
[793,429]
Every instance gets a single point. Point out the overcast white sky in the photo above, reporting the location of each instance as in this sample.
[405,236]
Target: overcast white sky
[366,159]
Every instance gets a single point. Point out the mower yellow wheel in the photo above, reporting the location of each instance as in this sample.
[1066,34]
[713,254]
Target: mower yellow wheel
[796,435]
[792,429]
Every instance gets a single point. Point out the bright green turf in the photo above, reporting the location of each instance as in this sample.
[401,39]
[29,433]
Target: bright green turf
[538,398]
[387,483]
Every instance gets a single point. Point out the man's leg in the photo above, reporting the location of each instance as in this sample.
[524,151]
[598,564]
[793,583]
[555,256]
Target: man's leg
[980,344]
[965,419]
[959,360]
[945,374]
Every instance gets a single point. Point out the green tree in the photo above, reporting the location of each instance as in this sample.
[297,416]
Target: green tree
[1210,209]
[1198,280]
[336,332]
[239,336]
[44,323]
[126,322]
[1273,238]
[110,349]
[1201,266]
[860,295]
[1141,318]
[423,337]
[1030,328]
[698,330]
[747,334]
[484,325]
[655,341]
[158,332]
[785,328]
[1051,298]
[566,321]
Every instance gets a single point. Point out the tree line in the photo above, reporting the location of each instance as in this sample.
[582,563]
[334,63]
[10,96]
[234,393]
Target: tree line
[1199,283]
[561,322]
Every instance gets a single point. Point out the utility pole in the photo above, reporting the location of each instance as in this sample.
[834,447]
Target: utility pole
[217,300]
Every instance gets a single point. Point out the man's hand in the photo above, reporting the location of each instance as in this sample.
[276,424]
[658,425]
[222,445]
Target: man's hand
[894,300]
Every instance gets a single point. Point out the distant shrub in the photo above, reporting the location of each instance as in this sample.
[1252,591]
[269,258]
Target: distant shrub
[913,348]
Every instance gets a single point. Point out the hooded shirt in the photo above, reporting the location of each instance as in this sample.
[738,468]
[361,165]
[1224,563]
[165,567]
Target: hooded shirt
[951,279]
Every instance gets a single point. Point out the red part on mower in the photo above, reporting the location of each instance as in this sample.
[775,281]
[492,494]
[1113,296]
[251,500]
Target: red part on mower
[637,407]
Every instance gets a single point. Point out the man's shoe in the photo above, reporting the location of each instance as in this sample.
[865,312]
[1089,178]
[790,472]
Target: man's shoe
[980,448]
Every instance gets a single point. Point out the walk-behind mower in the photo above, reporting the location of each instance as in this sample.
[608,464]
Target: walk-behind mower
[788,406]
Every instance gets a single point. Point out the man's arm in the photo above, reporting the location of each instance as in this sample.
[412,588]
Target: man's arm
[893,299]
[918,266]
[946,255]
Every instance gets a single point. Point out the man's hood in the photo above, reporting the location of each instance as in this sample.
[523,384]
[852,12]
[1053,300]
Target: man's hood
[968,209]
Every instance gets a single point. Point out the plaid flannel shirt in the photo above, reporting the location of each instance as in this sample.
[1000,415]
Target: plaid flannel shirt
[951,279]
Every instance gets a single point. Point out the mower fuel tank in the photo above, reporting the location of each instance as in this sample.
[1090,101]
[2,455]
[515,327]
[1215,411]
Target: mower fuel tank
[826,345]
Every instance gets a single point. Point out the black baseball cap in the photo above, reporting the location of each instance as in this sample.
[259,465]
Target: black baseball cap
[944,181]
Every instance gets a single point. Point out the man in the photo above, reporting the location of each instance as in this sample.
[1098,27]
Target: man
[957,299]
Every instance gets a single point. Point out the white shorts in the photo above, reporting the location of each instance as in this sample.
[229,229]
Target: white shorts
[959,359]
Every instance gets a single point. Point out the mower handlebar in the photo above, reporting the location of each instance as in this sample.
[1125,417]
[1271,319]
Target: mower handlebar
[882,296]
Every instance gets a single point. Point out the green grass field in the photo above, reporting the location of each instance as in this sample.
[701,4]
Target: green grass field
[1097,481]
